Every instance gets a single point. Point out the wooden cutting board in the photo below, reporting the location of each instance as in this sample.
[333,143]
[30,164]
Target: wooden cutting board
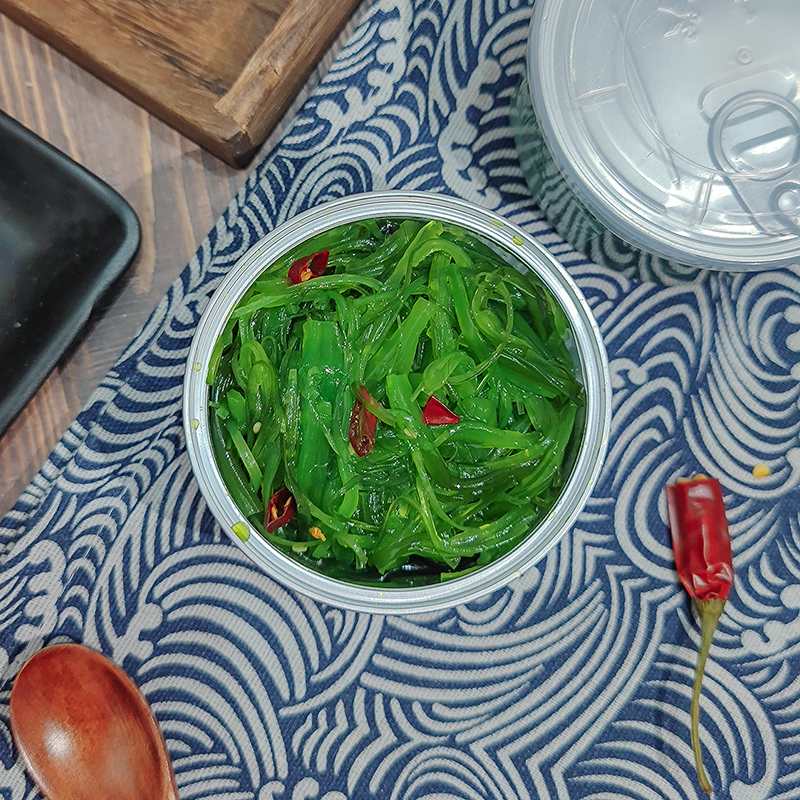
[222,72]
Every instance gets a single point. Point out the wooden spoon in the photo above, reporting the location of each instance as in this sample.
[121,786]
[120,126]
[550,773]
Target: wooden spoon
[84,730]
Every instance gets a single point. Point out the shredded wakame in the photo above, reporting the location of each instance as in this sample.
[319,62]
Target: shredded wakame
[409,310]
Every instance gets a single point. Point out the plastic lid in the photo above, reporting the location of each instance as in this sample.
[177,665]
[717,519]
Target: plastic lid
[677,122]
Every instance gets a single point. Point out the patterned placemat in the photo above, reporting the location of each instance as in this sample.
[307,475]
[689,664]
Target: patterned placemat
[572,682]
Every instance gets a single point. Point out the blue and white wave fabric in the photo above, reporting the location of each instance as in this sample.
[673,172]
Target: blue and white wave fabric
[574,681]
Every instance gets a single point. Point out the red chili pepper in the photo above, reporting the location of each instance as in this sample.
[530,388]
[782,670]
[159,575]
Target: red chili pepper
[308,267]
[362,425]
[280,509]
[436,413]
[702,546]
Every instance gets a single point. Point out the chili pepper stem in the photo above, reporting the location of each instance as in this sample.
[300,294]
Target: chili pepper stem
[710,611]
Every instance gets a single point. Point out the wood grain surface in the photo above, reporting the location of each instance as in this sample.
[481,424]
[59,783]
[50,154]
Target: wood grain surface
[177,190]
[181,59]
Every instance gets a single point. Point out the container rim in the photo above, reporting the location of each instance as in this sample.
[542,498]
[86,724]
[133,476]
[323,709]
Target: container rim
[594,371]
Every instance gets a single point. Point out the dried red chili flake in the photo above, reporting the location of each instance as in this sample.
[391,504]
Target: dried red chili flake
[436,413]
[362,425]
[308,267]
[702,546]
[280,509]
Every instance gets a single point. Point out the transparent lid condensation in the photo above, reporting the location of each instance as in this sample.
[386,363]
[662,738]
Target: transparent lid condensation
[677,123]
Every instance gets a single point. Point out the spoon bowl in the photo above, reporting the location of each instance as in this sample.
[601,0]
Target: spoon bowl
[84,730]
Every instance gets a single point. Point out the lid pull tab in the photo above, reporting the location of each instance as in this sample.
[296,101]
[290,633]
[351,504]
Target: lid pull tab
[754,139]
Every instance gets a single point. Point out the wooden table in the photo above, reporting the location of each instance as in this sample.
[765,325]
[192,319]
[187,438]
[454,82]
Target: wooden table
[177,190]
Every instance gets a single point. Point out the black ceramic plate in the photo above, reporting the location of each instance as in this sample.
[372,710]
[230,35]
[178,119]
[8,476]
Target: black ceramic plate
[65,236]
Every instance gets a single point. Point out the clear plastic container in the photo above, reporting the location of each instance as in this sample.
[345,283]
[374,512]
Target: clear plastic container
[521,251]
[666,130]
